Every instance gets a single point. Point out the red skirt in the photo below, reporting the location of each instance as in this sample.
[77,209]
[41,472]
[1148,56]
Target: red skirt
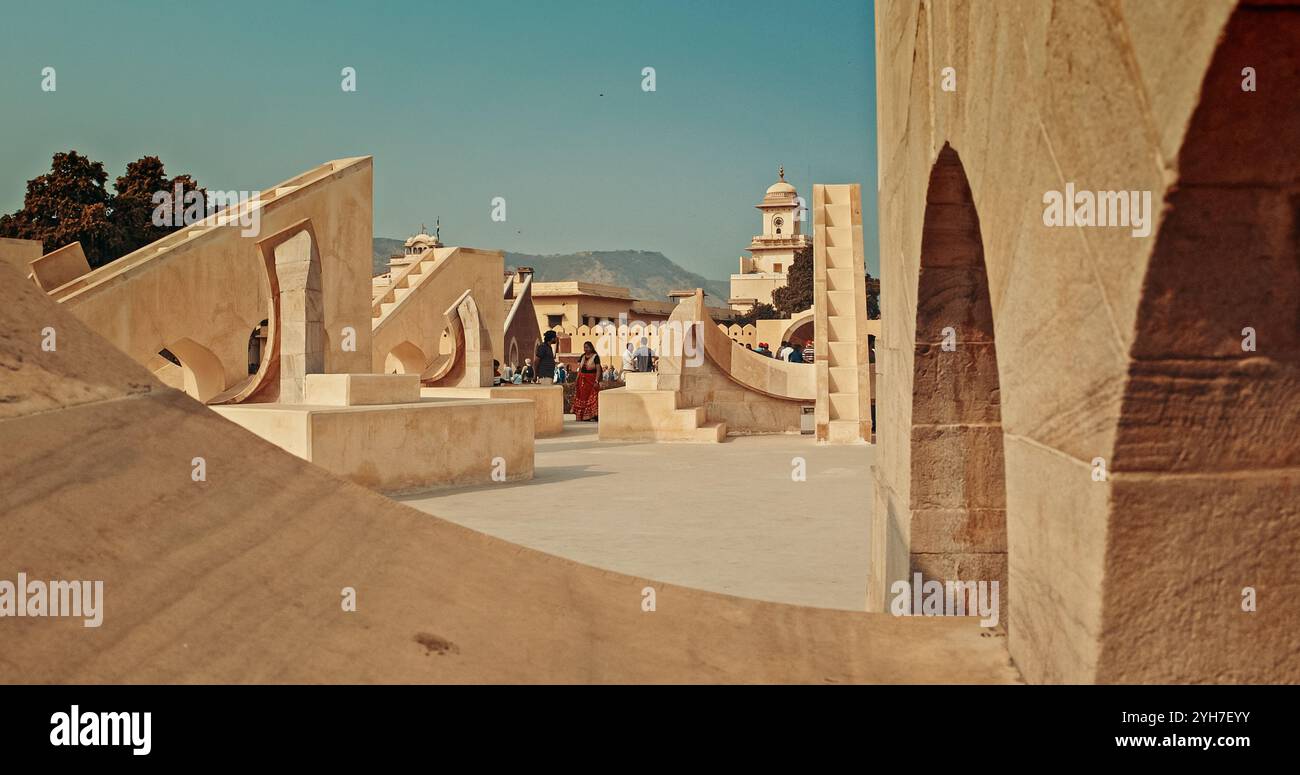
[585,396]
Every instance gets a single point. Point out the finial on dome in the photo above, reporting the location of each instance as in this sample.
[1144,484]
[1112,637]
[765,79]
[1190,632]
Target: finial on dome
[781,171]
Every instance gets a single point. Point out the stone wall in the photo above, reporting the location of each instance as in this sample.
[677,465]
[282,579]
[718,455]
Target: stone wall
[1099,375]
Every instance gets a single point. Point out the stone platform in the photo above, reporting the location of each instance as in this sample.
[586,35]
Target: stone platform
[548,401]
[403,446]
[649,408]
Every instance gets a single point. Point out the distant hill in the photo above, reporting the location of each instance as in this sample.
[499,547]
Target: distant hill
[648,274]
[383,248]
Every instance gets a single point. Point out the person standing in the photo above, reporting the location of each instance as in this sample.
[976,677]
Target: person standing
[546,359]
[586,394]
[644,357]
[629,359]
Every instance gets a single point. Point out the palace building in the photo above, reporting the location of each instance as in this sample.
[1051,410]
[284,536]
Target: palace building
[771,252]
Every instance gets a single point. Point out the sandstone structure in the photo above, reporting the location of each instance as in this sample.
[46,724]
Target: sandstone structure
[239,577]
[1082,411]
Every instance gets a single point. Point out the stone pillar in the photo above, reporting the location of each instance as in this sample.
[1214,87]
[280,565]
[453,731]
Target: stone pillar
[302,315]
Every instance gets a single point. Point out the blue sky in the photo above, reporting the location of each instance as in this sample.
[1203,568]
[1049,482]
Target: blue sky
[539,102]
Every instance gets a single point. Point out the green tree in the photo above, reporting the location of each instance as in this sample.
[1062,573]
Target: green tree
[873,298]
[71,204]
[68,204]
[758,312]
[797,295]
[133,205]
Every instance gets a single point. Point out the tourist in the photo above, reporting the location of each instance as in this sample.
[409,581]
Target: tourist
[561,374]
[629,362]
[643,358]
[586,396]
[783,354]
[496,372]
[749,347]
[795,354]
[527,374]
[808,352]
[763,351]
[546,358]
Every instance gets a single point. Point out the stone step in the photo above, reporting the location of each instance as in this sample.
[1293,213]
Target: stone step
[839,279]
[713,432]
[843,379]
[689,418]
[841,328]
[840,302]
[844,406]
[838,215]
[846,431]
[841,354]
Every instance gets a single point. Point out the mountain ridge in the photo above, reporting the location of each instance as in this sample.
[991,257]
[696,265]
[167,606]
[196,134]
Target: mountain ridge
[647,274]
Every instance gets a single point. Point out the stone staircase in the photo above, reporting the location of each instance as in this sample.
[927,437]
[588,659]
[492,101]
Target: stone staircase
[844,398]
[401,287]
[648,408]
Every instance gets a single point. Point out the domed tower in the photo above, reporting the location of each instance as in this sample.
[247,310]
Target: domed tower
[414,247]
[771,252]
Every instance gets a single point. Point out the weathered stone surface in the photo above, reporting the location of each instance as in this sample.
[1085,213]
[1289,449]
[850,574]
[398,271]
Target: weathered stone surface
[1108,345]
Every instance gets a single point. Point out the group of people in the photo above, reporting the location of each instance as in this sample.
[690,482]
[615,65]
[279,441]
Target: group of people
[590,373]
[789,351]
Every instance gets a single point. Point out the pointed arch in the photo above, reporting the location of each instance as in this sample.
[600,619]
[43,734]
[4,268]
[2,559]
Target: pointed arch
[958,526]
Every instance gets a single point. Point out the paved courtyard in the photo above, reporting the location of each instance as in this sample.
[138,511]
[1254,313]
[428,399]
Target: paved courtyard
[721,517]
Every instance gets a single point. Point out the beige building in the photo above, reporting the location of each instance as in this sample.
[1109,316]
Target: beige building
[573,303]
[771,252]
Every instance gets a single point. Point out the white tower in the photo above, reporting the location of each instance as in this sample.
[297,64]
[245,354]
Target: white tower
[774,250]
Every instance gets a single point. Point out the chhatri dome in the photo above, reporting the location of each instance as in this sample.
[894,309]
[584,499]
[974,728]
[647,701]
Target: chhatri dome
[780,189]
[422,241]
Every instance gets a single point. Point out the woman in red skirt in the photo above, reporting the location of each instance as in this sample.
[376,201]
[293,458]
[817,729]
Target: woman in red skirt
[586,392]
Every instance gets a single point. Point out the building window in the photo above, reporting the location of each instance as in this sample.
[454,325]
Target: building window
[778,222]
[776,268]
[554,320]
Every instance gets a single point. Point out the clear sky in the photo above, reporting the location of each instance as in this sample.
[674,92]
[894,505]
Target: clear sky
[536,101]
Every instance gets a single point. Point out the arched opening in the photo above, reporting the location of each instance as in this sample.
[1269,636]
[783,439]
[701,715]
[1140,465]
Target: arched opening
[201,373]
[958,491]
[1206,467]
[405,358]
[802,328]
[257,346]
[513,358]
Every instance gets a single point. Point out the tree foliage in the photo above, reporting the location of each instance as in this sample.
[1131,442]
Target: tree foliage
[797,295]
[70,204]
[758,312]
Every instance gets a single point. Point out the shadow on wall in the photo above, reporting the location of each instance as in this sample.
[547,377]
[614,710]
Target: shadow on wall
[1205,508]
[958,501]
